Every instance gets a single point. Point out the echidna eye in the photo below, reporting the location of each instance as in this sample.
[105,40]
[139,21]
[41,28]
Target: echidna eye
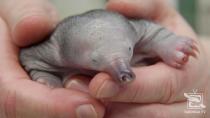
[129,48]
[94,60]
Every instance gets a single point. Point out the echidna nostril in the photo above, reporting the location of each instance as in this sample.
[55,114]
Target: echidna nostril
[121,71]
[126,77]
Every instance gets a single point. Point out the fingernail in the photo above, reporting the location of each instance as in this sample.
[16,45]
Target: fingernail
[180,55]
[86,111]
[77,85]
[108,89]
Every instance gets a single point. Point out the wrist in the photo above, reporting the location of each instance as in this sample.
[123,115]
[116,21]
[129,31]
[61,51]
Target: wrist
[206,45]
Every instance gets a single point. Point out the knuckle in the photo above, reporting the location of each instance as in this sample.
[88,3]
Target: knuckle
[55,110]
[137,96]
[171,88]
[159,114]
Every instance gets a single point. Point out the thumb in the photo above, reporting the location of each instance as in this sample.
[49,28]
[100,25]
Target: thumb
[29,20]
[158,11]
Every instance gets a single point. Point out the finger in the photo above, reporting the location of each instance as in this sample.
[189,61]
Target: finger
[149,9]
[156,10]
[22,98]
[29,20]
[9,55]
[177,110]
[156,83]
[26,99]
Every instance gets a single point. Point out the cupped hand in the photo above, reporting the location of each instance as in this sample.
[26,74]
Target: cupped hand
[158,91]
[24,22]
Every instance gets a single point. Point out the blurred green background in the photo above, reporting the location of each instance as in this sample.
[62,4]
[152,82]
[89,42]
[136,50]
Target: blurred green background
[196,12]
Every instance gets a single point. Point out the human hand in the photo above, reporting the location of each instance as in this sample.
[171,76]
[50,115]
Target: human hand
[24,22]
[158,85]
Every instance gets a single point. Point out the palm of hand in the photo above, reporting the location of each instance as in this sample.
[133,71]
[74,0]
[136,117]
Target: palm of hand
[159,83]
